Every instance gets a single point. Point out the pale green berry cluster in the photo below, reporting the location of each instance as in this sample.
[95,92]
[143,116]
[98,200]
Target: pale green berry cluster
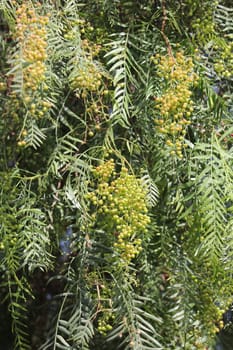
[223,64]
[104,323]
[120,207]
[87,76]
[31,35]
[174,106]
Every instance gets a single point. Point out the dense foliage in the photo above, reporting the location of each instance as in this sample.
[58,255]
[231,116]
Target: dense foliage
[116,227]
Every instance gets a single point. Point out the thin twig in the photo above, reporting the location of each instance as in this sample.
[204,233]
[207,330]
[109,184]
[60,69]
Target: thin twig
[169,48]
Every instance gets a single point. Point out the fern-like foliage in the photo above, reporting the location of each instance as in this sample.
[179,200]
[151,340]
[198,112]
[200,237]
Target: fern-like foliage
[35,135]
[34,238]
[213,187]
[135,325]
[151,189]
[224,20]
[178,292]
[77,331]
[25,240]
[18,294]
[73,326]
[126,72]
[95,105]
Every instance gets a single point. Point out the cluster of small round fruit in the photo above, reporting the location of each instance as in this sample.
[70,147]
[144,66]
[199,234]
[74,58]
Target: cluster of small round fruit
[120,208]
[211,313]
[204,332]
[37,106]
[97,105]
[224,59]
[105,170]
[11,111]
[104,323]
[174,106]
[91,48]
[30,32]
[96,109]
[201,18]
[87,75]
[12,107]
[204,29]
[81,29]
[22,142]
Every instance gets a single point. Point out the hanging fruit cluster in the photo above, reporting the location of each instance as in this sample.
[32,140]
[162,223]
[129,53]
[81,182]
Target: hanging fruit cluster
[86,74]
[104,323]
[203,25]
[174,106]
[214,299]
[223,63]
[216,48]
[204,29]
[30,35]
[106,313]
[211,316]
[120,208]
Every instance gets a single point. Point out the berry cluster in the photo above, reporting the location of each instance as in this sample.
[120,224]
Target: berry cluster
[12,107]
[219,49]
[30,33]
[15,107]
[97,106]
[223,64]
[204,29]
[212,306]
[213,313]
[120,207]
[11,112]
[37,106]
[104,323]
[174,106]
[202,22]
[205,331]
[22,142]
[91,49]
[87,76]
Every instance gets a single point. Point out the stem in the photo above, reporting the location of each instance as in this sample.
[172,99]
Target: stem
[169,48]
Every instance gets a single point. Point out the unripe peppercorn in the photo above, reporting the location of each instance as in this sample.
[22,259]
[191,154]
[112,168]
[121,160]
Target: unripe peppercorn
[175,101]
[120,205]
